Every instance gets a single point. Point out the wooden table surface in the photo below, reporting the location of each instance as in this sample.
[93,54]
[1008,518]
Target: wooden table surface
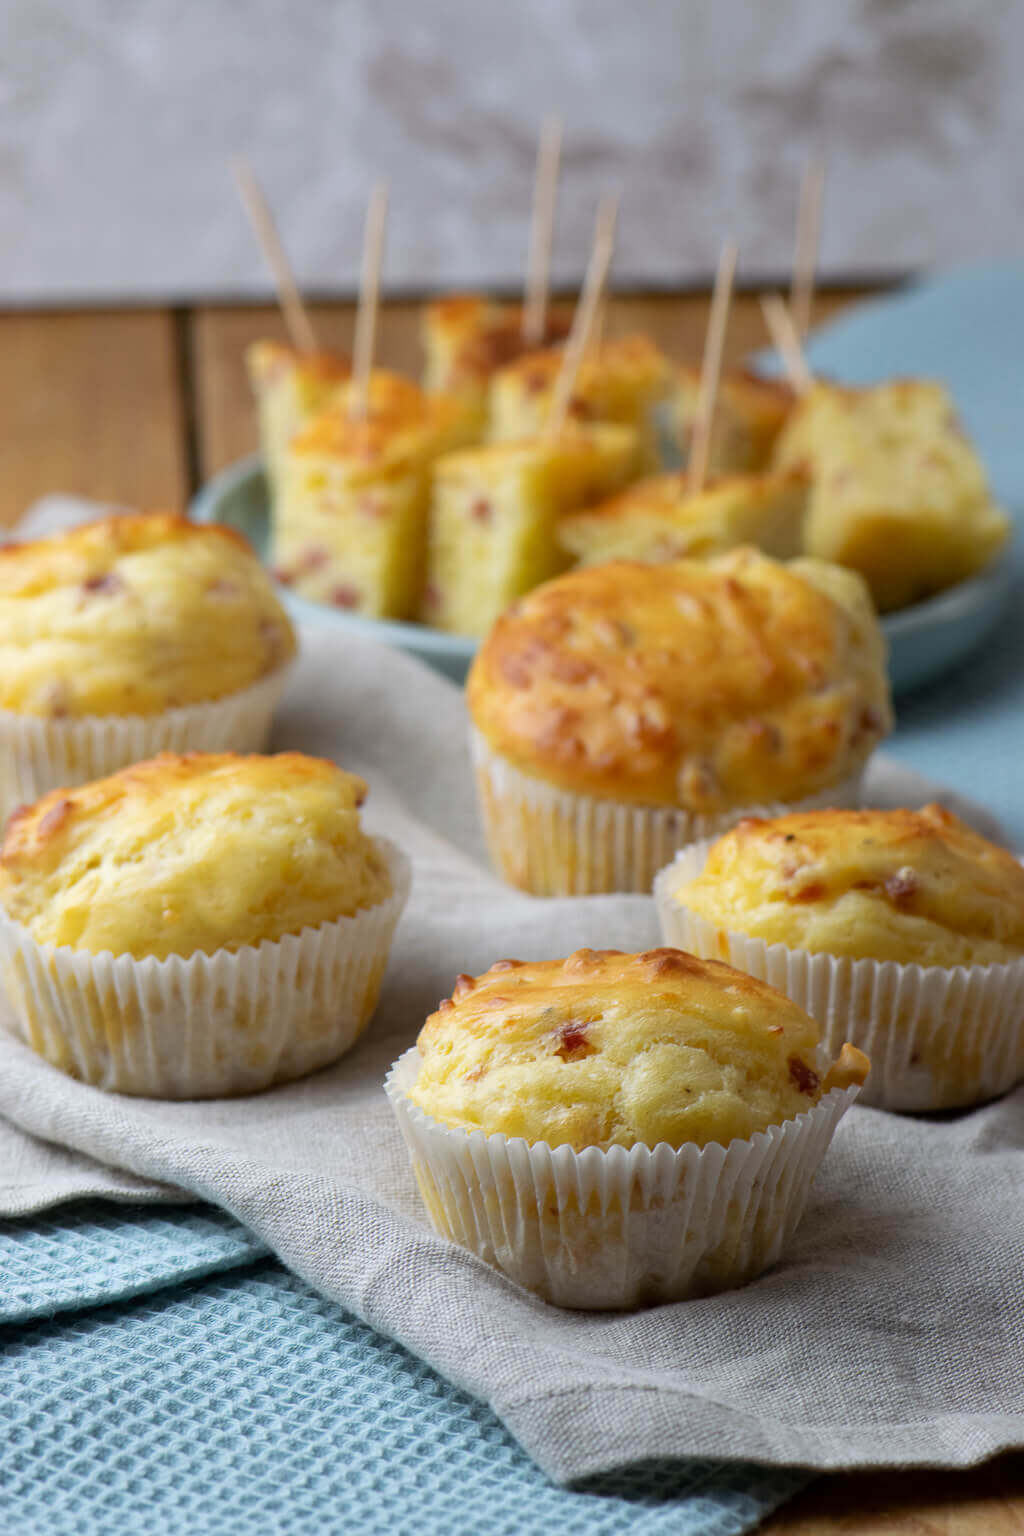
[139,406]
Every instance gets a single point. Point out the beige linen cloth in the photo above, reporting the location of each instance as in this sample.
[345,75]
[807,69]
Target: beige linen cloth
[892,1333]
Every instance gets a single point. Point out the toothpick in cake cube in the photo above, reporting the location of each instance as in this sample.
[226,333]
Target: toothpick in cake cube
[291,388]
[467,339]
[349,525]
[620,381]
[897,490]
[750,412]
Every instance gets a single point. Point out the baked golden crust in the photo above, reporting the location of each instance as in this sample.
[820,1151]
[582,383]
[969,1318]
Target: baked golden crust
[703,684]
[606,1049]
[626,361]
[661,518]
[620,381]
[467,338]
[192,853]
[750,412]
[916,887]
[898,492]
[401,423]
[350,517]
[268,362]
[496,511]
[135,614]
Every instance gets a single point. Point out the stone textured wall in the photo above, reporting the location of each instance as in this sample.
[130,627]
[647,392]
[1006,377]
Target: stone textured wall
[117,119]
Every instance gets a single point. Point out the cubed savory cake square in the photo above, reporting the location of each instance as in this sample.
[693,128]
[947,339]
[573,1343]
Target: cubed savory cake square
[661,518]
[750,412]
[495,515]
[897,490]
[620,381]
[349,526]
[290,388]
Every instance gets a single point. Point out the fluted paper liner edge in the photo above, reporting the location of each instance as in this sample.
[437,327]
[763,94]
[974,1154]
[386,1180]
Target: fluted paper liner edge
[552,842]
[621,1228]
[938,1038]
[38,753]
[204,1026]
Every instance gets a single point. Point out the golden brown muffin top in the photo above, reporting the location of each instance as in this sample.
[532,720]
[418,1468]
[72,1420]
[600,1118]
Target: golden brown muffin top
[193,852]
[607,1049]
[911,886]
[134,614]
[705,684]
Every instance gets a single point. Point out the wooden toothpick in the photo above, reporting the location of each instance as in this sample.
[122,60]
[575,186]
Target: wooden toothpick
[369,295]
[786,341]
[296,316]
[542,223]
[586,311]
[711,368]
[808,234]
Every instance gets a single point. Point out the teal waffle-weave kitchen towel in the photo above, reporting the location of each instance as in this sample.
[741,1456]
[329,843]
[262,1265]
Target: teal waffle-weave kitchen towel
[235,1400]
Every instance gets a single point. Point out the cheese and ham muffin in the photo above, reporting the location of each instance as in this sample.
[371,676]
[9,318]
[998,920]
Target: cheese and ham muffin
[901,930]
[198,924]
[623,710]
[916,887]
[569,1121]
[192,853]
[133,615]
[127,635]
[609,1050]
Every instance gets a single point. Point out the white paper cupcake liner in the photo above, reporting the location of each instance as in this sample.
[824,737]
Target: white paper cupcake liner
[204,1026]
[552,842]
[623,1228]
[937,1037]
[38,754]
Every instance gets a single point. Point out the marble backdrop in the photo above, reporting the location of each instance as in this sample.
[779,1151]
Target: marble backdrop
[117,120]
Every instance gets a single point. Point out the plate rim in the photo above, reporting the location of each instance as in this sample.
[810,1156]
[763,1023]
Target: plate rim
[989,585]
[398,631]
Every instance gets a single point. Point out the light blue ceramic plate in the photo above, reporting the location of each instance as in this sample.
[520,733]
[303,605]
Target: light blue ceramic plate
[924,640]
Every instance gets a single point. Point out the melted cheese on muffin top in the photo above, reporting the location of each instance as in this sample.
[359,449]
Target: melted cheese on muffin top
[201,852]
[704,684]
[606,1049]
[917,887]
[135,614]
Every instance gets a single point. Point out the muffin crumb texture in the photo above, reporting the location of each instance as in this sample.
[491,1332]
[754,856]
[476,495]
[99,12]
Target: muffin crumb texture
[194,853]
[607,1049]
[915,887]
[133,615]
[898,492]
